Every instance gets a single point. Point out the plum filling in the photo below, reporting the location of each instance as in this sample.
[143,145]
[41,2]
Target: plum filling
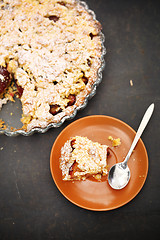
[92,36]
[54,109]
[72,144]
[85,80]
[53,18]
[62,3]
[72,99]
[73,169]
[19,90]
[5,79]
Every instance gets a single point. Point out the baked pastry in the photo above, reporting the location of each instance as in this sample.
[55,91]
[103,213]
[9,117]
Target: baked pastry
[82,158]
[52,50]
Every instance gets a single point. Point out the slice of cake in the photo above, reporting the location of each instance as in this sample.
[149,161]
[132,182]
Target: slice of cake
[82,158]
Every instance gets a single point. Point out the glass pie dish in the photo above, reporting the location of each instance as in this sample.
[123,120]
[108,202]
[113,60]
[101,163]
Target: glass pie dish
[11,112]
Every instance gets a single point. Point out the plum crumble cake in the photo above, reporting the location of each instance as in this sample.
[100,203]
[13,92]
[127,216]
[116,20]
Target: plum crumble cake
[51,50]
[82,158]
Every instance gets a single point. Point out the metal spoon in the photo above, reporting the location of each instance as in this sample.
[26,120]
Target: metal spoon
[119,174]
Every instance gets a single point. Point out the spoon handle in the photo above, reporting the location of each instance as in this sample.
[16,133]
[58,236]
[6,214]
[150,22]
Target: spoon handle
[140,130]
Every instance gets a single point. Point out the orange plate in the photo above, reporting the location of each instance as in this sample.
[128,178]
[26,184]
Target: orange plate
[99,196]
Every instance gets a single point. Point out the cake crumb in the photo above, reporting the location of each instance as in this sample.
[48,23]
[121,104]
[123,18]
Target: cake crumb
[115,141]
[131,83]
[110,138]
[2,125]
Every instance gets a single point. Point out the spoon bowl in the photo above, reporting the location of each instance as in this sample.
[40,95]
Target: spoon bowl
[119,174]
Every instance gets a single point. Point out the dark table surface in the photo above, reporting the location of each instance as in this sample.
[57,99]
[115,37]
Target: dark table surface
[31,207]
